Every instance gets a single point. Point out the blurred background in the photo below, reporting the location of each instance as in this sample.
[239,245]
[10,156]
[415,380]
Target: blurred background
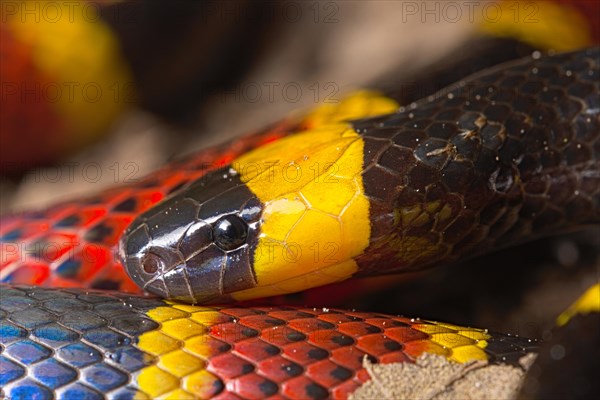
[100,93]
[94,93]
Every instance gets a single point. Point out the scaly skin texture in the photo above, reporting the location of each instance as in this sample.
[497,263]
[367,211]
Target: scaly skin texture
[501,157]
[73,343]
[510,197]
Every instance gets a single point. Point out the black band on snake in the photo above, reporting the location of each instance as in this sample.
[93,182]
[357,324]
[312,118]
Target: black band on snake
[504,156]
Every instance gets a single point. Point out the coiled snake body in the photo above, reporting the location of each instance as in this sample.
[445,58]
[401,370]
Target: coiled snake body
[501,157]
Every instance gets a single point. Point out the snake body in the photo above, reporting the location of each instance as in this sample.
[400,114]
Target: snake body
[504,156]
[501,157]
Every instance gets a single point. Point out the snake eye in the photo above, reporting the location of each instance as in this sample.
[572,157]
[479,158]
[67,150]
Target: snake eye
[151,263]
[230,232]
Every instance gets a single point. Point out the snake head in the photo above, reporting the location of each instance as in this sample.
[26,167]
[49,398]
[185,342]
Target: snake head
[195,246]
[282,218]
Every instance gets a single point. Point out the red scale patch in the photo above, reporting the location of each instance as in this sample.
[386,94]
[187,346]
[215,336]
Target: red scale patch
[89,215]
[385,323]
[308,325]
[304,388]
[10,254]
[337,318]
[305,353]
[261,322]
[213,347]
[85,263]
[108,231]
[29,273]
[225,395]
[256,349]
[356,329]
[290,315]
[53,246]
[328,373]
[348,357]
[417,347]
[229,366]
[304,356]
[397,356]
[378,344]
[362,376]
[139,202]
[344,390]
[330,339]
[241,312]
[10,222]
[282,335]
[252,386]
[405,334]
[232,332]
[279,369]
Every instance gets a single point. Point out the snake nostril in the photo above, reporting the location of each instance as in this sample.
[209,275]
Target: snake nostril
[151,263]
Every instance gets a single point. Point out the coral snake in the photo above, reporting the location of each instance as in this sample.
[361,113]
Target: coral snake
[358,188]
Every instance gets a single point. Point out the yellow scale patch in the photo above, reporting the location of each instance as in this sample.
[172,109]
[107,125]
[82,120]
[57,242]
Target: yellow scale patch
[181,348]
[411,250]
[589,302]
[542,24]
[457,343]
[316,217]
[93,84]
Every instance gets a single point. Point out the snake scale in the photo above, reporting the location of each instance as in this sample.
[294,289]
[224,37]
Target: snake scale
[504,156]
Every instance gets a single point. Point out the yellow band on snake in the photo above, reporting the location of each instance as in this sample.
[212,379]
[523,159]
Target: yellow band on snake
[317,188]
